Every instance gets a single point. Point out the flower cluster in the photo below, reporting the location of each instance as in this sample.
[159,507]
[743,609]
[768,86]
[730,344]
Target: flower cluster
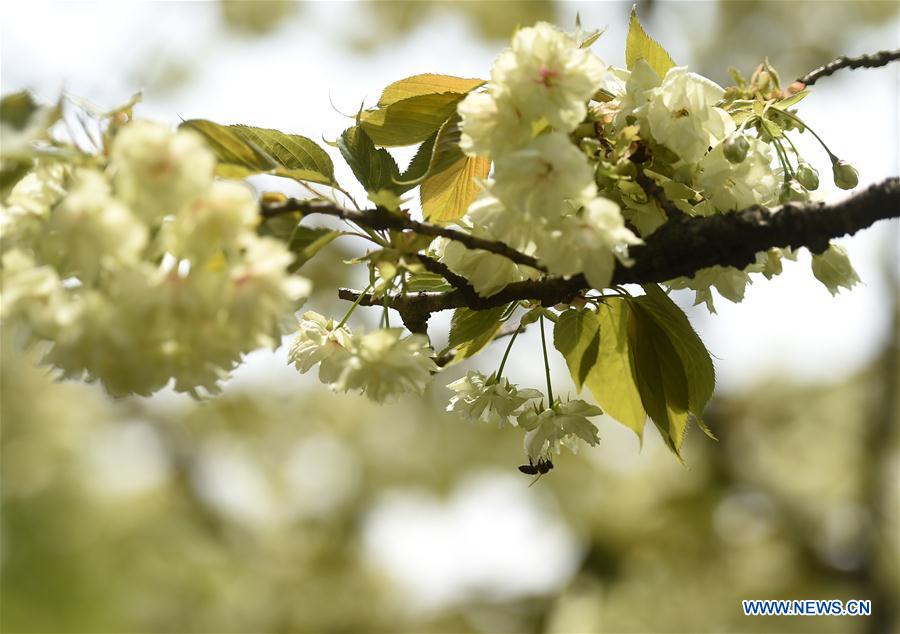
[381,364]
[543,199]
[142,268]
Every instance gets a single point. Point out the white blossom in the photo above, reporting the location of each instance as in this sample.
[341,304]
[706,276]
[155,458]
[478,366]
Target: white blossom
[539,178]
[734,186]
[157,171]
[319,341]
[383,364]
[491,125]
[564,423]
[547,76]
[589,242]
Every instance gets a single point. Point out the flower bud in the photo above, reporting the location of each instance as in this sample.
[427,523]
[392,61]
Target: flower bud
[792,193]
[808,176]
[736,148]
[845,175]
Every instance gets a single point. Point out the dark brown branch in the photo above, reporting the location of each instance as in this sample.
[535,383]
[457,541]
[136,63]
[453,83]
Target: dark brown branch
[872,60]
[683,246]
[382,219]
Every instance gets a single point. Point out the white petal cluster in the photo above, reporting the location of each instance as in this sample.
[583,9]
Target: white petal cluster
[542,199]
[590,242]
[146,271]
[679,110]
[382,364]
[488,399]
[562,424]
[544,77]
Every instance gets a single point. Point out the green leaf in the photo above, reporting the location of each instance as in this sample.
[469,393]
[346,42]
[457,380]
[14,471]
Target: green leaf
[306,242]
[437,153]
[426,84]
[787,102]
[446,195]
[409,121]
[694,357]
[471,330]
[577,337]
[612,381]
[303,242]
[660,376]
[374,168]
[245,150]
[639,45]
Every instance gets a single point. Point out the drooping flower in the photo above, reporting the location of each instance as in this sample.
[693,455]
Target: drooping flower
[832,267]
[562,424]
[487,398]
[729,281]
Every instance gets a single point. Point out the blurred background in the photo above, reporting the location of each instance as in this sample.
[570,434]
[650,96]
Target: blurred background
[280,507]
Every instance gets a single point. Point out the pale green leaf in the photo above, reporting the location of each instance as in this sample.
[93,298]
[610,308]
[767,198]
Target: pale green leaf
[426,84]
[639,45]
[409,121]
[446,195]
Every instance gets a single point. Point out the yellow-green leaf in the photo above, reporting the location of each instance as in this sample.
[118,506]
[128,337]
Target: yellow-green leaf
[409,121]
[640,45]
[245,150]
[447,195]
[577,337]
[426,84]
[612,381]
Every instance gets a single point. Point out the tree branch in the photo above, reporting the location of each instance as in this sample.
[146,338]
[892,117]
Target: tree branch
[683,246]
[872,60]
[379,218]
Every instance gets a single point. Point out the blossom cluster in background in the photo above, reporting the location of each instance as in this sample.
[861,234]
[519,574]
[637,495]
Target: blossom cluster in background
[140,268]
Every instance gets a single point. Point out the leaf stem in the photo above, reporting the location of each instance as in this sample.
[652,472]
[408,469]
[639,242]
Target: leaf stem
[353,307]
[546,362]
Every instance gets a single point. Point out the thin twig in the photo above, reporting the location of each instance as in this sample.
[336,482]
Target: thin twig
[872,60]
